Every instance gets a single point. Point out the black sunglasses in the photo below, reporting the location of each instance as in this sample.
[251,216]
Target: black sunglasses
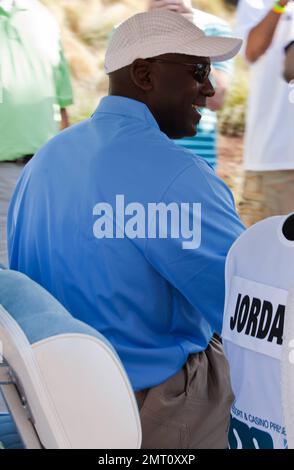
[201,71]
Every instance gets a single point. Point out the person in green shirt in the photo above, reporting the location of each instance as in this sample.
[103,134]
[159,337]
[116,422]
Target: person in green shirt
[35,90]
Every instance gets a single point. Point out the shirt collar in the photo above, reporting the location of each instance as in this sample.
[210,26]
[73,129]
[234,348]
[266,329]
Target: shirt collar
[127,107]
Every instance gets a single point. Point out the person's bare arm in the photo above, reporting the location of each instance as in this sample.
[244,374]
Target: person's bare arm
[64,119]
[222,81]
[179,6]
[289,63]
[260,37]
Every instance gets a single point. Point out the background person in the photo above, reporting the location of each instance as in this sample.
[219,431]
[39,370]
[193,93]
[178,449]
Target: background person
[267,27]
[34,91]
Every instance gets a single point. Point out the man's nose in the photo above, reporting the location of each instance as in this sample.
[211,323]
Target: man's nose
[207,88]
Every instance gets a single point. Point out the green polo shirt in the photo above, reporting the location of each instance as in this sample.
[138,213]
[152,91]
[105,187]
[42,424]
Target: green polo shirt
[34,78]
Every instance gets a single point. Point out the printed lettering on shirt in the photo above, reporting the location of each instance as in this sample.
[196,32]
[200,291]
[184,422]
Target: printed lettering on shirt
[254,316]
[244,436]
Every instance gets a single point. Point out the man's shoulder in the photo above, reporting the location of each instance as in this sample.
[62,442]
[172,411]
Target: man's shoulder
[66,141]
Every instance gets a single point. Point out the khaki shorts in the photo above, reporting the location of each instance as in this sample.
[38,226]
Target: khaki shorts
[191,410]
[266,193]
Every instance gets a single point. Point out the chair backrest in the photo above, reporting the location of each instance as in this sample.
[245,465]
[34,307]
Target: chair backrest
[288,369]
[259,274]
[77,392]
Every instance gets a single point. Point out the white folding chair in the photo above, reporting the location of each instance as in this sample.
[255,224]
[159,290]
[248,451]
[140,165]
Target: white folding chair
[62,382]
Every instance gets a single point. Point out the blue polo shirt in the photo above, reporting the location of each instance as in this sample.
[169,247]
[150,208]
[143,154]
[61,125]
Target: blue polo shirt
[155,301]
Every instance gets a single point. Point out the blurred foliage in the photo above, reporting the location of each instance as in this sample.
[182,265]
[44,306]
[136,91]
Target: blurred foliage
[233,114]
[86,26]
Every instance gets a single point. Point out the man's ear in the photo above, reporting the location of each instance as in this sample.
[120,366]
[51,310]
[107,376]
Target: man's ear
[140,74]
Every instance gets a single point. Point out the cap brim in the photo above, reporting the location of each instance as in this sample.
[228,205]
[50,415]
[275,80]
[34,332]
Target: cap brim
[216,48]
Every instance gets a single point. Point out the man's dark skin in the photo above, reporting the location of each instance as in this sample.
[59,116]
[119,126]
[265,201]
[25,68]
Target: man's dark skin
[169,90]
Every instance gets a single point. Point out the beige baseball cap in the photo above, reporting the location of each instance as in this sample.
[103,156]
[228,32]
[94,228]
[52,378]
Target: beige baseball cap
[158,32]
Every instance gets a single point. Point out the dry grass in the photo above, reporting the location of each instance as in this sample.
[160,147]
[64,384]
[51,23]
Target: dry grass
[86,26]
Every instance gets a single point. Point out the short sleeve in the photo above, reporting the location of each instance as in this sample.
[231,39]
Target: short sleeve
[249,14]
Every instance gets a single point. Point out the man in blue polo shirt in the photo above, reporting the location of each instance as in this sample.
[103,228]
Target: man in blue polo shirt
[130,232]
[35,90]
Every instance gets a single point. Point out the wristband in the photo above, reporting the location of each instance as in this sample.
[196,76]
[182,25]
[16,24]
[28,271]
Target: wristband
[279,9]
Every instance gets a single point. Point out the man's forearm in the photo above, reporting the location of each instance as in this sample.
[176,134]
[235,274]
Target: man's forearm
[260,37]
[289,63]
[64,118]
